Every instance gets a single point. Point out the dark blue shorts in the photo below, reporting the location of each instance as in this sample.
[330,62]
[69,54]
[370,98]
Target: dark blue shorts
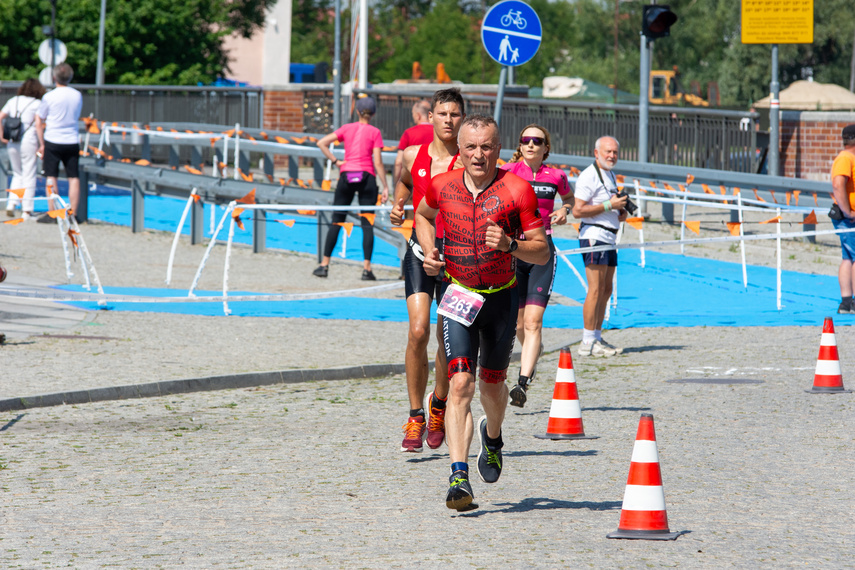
[847,241]
[599,257]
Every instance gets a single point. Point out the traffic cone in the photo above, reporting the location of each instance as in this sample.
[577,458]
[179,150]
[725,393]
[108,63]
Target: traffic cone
[827,379]
[643,515]
[565,415]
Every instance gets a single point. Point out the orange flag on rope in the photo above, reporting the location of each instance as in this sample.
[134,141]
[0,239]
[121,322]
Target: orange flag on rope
[775,220]
[227,133]
[756,195]
[682,188]
[301,184]
[796,196]
[19,192]
[668,187]
[635,222]
[269,178]
[348,227]
[575,171]
[787,197]
[71,234]
[196,197]
[810,218]
[326,185]
[300,140]
[406,232]
[707,189]
[246,177]
[289,223]
[771,193]
[733,227]
[694,226]
[369,217]
[142,162]
[281,140]
[236,217]
[192,170]
[283,182]
[814,200]
[57,213]
[500,162]
[213,142]
[689,179]
[307,212]
[577,226]
[14,222]
[652,184]
[249,198]
[263,135]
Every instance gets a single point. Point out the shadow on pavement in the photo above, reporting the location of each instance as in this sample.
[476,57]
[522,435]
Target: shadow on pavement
[543,503]
[652,348]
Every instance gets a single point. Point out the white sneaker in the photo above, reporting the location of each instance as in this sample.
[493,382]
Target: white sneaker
[613,347]
[599,348]
[585,349]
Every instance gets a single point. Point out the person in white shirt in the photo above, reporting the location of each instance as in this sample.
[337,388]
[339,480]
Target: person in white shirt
[22,153]
[56,125]
[601,211]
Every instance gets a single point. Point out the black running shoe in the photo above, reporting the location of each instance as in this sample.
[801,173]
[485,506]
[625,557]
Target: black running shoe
[518,396]
[459,494]
[489,460]
[321,271]
[845,307]
[368,275]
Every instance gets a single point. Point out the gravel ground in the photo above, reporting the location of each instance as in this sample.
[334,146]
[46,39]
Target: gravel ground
[754,468]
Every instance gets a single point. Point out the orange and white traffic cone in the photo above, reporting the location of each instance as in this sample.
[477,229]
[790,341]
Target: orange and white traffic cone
[643,515]
[828,379]
[565,414]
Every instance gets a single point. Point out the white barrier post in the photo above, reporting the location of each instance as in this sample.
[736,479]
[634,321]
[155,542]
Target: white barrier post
[683,224]
[189,203]
[742,242]
[63,235]
[226,309]
[211,243]
[237,149]
[638,200]
[225,161]
[576,272]
[778,243]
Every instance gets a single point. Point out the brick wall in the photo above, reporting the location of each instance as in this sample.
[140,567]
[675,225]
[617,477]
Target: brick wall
[809,142]
[283,109]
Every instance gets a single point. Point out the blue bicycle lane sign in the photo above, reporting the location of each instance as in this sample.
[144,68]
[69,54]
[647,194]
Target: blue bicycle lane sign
[511,32]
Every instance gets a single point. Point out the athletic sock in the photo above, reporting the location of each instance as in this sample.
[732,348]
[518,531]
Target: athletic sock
[598,334]
[846,301]
[417,413]
[523,381]
[493,443]
[437,402]
[588,336]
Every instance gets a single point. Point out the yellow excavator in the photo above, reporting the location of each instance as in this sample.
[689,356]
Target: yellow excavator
[666,89]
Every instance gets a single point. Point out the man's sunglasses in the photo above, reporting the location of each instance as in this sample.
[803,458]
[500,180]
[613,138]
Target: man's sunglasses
[538,141]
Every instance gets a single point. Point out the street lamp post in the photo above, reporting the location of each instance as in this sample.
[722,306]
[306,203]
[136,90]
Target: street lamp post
[99,73]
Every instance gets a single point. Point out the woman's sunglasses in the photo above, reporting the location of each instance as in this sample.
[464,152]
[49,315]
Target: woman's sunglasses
[538,141]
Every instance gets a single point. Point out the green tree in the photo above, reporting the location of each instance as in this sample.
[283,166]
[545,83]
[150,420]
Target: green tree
[147,41]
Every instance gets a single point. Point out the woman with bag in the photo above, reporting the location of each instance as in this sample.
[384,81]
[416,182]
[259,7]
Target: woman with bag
[361,169]
[22,144]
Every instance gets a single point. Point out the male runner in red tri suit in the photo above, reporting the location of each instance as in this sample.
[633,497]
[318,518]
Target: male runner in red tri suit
[482,208]
[421,163]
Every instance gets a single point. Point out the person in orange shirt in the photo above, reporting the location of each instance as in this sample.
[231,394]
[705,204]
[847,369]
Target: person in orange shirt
[843,183]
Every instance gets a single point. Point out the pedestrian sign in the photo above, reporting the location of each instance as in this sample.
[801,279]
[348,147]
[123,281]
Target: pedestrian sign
[511,32]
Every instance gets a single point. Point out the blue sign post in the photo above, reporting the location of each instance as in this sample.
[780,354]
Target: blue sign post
[511,34]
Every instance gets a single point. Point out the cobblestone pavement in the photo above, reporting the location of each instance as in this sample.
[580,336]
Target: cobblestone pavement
[756,471]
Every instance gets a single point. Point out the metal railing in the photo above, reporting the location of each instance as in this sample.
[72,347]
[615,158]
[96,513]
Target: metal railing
[679,136]
[167,103]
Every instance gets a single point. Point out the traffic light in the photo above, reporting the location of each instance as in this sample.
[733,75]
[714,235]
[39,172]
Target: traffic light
[656,20]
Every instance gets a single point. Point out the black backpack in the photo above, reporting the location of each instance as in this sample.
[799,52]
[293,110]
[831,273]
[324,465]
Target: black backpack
[13,127]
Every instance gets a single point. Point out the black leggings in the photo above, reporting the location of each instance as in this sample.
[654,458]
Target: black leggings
[344,193]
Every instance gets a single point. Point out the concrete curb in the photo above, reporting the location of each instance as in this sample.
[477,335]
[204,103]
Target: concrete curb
[228,382]
[189,385]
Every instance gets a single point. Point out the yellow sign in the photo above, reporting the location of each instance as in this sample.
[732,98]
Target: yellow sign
[777,21]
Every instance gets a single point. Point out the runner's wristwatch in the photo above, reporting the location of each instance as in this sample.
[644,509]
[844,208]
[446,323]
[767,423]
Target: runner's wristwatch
[512,247]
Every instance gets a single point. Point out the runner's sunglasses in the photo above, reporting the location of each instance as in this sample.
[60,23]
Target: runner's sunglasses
[538,141]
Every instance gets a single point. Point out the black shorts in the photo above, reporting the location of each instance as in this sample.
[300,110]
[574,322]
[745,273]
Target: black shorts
[535,281]
[599,257]
[415,278]
[490,339]
[68,154]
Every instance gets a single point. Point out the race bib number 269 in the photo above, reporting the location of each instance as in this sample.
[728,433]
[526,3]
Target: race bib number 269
[460,304]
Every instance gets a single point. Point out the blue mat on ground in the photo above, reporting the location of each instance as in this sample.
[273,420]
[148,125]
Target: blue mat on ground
[671,290]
